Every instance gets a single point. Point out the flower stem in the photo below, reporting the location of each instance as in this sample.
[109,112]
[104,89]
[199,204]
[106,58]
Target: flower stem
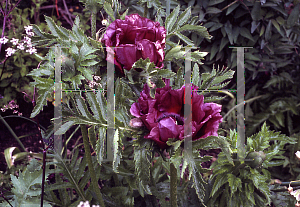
[145,10]
[173,185]
[90,165]
[13,133]
[93,25]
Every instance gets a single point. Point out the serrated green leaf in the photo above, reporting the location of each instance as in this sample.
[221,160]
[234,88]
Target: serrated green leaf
[88,63]
[56,30]
[174,52]
[117,151]
[195,75]
[102,104]
[142,168]
[41,100]
[65,127]
[184,38]
[92,136]
[200,30]
[108,9]
[198,182]
[100,145]
[171,19]
[234,183]
[179,81]
[219,182]
[184,16]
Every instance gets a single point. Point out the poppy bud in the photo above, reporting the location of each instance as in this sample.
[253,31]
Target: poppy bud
[255,159]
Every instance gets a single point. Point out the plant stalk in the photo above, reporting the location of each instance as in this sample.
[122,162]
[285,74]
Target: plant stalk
[173,185]
[145,10]
[93,25]
[90,165]
[13,133]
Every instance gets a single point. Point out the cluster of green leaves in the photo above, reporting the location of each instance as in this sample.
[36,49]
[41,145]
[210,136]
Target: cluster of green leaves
[76,55]
[241,183]
[27,187]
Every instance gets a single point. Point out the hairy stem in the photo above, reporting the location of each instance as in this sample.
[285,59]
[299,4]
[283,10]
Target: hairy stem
[173,185]
[93,25]
[90,165]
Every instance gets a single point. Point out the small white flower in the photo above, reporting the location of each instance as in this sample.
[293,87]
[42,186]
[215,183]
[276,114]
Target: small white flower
[3,40]
[297,154]
[31,50]
[14,41]
[28,28]
[84,204]
[10,51]
[21,46]
[27,40]
[30,34]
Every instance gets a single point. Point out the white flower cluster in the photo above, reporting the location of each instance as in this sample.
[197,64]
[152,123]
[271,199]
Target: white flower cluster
[94,83]
[20,45]
[11,105]
[86,204]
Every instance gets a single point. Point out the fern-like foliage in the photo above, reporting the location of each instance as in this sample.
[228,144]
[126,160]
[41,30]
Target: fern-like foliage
[27,187]
[241,183]
[77,56]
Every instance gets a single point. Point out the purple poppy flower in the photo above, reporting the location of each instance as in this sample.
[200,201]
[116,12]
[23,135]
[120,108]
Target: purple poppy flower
[164,114]
[134,38]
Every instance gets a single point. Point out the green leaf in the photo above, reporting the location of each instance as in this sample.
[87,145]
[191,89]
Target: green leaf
[198,182]
[219,182]
[195,75]
[142,168]
[184,17]
[175,52]
[224,42]
[213,10]
[234,183]
[293,17]
[65,127]
[231,8]
[245,33]
[255,12]
[117,151]
[202,31]
[171,19]
[92,136]
[276,25]
[24,186]
[108,9]
[100,145]
[179,81]
[268,32]
[213,2]
[184,38]
[60,32]
[102,104]
[228,29]
[41,101]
